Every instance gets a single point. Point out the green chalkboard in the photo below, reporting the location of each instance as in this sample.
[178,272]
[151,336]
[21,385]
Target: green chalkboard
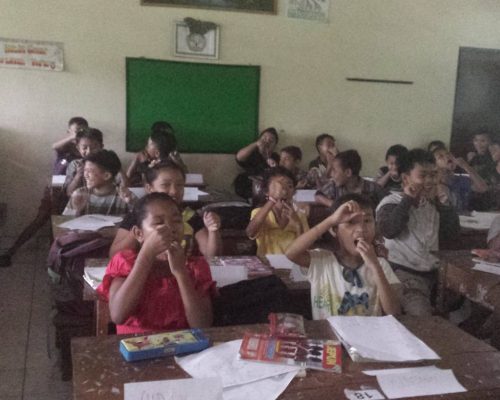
[213,108]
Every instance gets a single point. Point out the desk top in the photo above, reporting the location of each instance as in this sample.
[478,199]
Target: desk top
[99,370]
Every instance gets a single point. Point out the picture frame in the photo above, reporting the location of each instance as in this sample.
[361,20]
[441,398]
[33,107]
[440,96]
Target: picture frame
[194,45]
[252,6]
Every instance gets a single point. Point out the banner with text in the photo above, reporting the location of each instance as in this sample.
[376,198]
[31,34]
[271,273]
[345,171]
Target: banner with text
[16,53]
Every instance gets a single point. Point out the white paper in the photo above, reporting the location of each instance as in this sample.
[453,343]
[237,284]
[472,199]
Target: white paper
[304,196]
[176,389]
[279,261]
[483,267]
[296,274]
[194,179]
[264,389]
[227,275]
[478,220]
[138,191]
[94,275]
[413,382]
[223,361]
[481,261]
[380,338]
[370,394]
[416,370]
[58,180]
[192,194]
[91,222]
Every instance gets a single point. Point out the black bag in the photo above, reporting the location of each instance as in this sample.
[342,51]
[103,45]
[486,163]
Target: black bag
[250,301]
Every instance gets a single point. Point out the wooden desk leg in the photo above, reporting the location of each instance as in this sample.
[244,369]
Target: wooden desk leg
[102,317]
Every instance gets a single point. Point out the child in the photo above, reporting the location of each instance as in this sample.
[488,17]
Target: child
[168,177]
[319,167]
[434,145]
[480,158]
[100,196]
[290,158]
[66,150]
[279,221]
[352,280]
[254,159]
[412,224]
[452,188]
[388,176]
[344,178]
[161,146]
[88,141]
[156,287]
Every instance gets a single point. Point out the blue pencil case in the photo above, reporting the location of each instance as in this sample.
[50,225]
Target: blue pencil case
[163,344]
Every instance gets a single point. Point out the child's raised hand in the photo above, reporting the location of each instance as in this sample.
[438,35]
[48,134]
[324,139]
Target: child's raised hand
[367,252]
[125,194]
[211,221]
[176,258]
[413,191]
[159,241]
[79,201]
[79,168]
[345,213]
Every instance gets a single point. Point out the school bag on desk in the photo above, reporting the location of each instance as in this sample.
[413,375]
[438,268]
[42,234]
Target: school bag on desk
[66,261]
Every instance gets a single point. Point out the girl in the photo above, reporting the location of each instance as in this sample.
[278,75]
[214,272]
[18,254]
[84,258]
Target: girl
[168,177]
[161,146]
[156,287]
[279,221]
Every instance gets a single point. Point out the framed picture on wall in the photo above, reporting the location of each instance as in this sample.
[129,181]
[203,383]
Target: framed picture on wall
[198,45]
[256,6]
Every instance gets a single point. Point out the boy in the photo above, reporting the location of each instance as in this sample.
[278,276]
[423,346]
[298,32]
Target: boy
[290,158]
[100,196]
[318,168]
[412,223]
[344,178]
[456,189]
[351,281]
[65,148]
[388,176]
[88,141]
[480,158]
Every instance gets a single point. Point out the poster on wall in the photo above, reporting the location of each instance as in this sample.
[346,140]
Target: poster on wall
[316,10]
[17,53]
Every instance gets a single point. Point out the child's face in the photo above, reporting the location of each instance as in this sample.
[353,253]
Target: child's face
[169,181]
[281,187]
[88,146]
[340,175]
[392,164]
[287,161]
[422,177]
[481,143]
[162,213]
[95,176]
[495,152]
[269,140]
[327,146]
[361,227]
[152,149]
[444,160]
[74,128]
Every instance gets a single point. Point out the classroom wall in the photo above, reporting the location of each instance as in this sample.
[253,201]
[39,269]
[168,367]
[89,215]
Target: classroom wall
[303,85]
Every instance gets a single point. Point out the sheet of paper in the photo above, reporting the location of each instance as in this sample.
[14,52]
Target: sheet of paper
[304,196]
[269,388]
[418,382]
[91,222]
[380,372]
[194,179]
[371,394]
[227,275]
[481,261]
[58,180]
[380,338]
[192,194]
[176,389]
[296,274]
[223,361]
[94,275]
[138,191]
[492,269]
[279,261]
[478,220]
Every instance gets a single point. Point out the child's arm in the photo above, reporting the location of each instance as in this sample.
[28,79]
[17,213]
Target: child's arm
[323,200]
[75,183]
[209,239]
[256,223]
[60,144]
[478,183]
[243,154]
[389,300]
[382,178]
[298,250]
[124,239]
[139,158]
[198,308]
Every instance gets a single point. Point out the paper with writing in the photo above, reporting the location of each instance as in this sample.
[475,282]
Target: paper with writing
[177,389]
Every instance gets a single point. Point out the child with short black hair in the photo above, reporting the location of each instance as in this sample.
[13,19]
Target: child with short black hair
[156,287]
[435,144]
[351,280]
[388,176]
[480,159]
[279,220]
[344,178]
[290,158]
[66,149]
[100,195]
[319,167]
[412,224]
[88,141]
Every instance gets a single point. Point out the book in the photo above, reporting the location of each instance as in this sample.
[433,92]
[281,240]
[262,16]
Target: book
[254,266]
[324,355]
[163,344]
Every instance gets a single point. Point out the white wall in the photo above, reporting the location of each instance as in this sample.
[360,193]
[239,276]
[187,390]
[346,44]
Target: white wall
[303,86]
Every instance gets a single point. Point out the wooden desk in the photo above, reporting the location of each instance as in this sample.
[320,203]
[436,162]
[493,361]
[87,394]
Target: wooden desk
[99,370]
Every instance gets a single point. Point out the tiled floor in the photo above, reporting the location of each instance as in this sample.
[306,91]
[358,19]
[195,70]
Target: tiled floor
[26,371]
